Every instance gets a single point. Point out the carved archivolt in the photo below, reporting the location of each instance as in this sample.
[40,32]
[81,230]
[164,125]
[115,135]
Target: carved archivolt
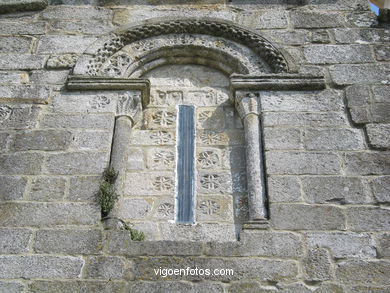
[260,46]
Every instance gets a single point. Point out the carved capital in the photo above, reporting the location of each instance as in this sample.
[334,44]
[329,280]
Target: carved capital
[247,103]
[130,105]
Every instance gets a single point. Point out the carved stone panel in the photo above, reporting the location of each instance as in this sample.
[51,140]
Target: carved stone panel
[220,167]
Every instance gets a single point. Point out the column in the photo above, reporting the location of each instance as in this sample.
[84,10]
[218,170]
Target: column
[128,113]
[249,109]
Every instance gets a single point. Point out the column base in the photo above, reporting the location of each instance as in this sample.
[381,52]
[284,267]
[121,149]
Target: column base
[113,223]
[256,225]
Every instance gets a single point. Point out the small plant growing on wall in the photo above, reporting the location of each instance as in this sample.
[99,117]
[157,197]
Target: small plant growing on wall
[135,234]
[107,193]
[107,198]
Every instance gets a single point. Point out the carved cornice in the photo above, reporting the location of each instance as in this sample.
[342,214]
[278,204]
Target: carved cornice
[80,83]
[277,82]
[192,26]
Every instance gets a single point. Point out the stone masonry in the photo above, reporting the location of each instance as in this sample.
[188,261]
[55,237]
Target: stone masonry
[316,79]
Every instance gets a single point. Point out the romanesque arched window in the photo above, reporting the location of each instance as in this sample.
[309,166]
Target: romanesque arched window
[188,139]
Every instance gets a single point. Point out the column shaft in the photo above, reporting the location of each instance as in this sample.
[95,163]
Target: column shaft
[119,154]
[254,167]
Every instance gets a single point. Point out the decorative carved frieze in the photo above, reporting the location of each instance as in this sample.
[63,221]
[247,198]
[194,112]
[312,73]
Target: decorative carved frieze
[223,29]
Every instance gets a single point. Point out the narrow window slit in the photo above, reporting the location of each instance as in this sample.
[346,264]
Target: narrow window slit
[185,165]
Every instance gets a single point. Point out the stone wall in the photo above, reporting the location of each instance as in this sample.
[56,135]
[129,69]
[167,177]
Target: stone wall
[327,154]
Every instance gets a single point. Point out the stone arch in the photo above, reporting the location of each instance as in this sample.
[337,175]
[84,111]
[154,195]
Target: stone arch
[251,63]
[215,43]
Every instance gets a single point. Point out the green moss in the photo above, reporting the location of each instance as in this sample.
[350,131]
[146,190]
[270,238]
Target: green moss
[136,235]
[107,193]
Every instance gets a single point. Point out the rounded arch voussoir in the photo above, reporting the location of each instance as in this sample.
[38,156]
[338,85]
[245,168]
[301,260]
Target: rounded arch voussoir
[92,62]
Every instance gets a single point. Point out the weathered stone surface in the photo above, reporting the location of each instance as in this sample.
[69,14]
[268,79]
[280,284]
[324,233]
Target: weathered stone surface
[21,163]
[156,183]
[250,287]
[360,115]
[362,18]
[379,135]
[105,267]
[15,44]
[32,93]
[93,140]
[13,77]
[317,265]
[22,61]
[367,163]
[77,286]
[356,74]
[83,27]
[61,61]
[47,188]
[343,244]
[48,140]
[364,272]
[315,19]
[68,241]
[283,189]
[259,243]
[333,139]
[12,187]
[370,289]
[381,93]
[304,119]
[94,121]
[14,240]
[64,44]
[380,112]
[295,288]
[48,214]
[251,268]
[330,54]
[326,100]
[119,242]
[263,19]
[368,219]
[71,12]
[38,266]
[383,241]
[135,208]
[320,37]
[381,189]
[12,287]
[362,36]
[298,37]
[161,286]
[337,190]
[4,141]
[135,158]
[306,217]
[84,188]
[8,27]
[19,116]
[329,287]
[382,52]
[49,76]
[357,95]
[201,232]
[87,163]
[290,163]
[92,102]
